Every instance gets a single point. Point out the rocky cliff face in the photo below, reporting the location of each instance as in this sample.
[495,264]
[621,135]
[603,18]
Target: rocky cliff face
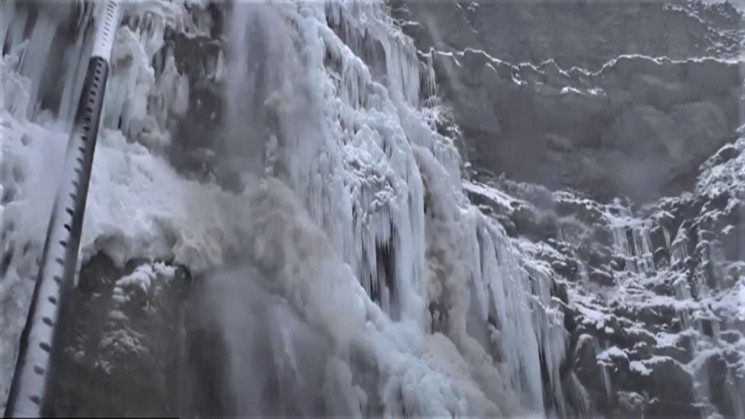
[606,98]
[122,341]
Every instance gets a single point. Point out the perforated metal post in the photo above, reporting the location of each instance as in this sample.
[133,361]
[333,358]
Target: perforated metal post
[33,373]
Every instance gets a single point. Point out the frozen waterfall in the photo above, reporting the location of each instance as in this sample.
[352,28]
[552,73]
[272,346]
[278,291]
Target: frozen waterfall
[349,213]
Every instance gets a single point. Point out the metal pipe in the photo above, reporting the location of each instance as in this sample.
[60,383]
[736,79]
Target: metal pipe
[34,373]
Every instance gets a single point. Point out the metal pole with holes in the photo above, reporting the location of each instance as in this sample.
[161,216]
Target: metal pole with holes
[33,373]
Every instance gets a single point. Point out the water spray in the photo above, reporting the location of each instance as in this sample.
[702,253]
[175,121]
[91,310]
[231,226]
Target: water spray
[34,373]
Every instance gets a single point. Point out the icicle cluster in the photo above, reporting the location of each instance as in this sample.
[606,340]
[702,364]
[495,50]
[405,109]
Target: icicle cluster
[449,304]
[386,188]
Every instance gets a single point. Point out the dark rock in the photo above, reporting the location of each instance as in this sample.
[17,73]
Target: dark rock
[664,409]
[642,350]
[618,263]
[662,288]
[527,222]
[730,336]
[121,343]
[565,269]
[598,257]
[661,257]
[721,385]
[98,275]
[677,399]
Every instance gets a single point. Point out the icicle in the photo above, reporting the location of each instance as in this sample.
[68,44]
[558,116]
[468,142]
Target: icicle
[506,282]
[14,95]
[621,241]
[430,79]
[37,51]
[666,232]
[604,375]
[7,15]
[642,246]
[76,71]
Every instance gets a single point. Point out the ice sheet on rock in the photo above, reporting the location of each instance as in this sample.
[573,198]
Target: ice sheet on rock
[364,154]
[379,174]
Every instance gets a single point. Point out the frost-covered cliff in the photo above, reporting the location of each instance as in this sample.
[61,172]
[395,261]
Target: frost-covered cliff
[280,223]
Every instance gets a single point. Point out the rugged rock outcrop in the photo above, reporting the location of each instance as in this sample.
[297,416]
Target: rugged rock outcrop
[122,340]
[587,107]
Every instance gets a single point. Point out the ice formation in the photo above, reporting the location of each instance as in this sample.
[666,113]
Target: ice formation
[363,223]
